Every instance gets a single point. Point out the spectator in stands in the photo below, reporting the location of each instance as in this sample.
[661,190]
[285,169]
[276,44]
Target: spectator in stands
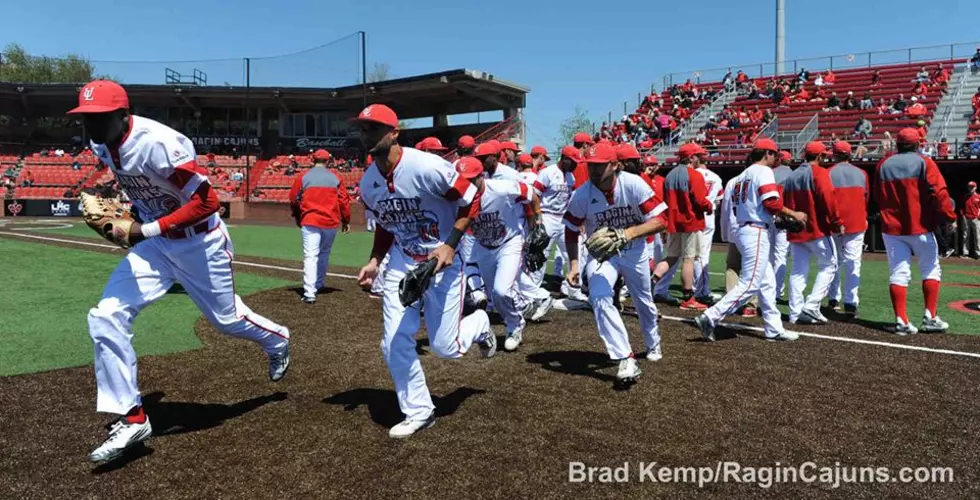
[58,153]
[819,82]
[767,117]
[860,151]
[876,79]
[975,62]
[741,77]
[291,169]
[802,96]
[75,165]
[867,102]
[234,153]
[833,104]
[728,82]
[916,110]
[883,107]
[920,89]
[803,76]
[862,131]
[830,78]
[10,173]
[850,102]
[922,76]
[899,105]
[887,143]
[941,77]
[237,176]
[976,103]
[920,127]
[28,179]
[942,150]
[211,162]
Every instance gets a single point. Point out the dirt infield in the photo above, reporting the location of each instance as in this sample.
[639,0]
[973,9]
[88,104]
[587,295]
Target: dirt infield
[508,426]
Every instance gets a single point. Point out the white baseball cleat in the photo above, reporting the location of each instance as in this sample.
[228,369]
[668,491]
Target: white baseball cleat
[279,364]
[818,316]
[704,325]
[544,306]
[479,299]
[628,371]
[488,344]
[784,336]
[654,354]
[933,325]
[514,339]
[408,427]
[122,435]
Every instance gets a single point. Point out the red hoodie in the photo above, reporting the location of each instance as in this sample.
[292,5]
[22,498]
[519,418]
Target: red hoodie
[319,199]
[687,201]
[852,193]
[911,194]
[809,190]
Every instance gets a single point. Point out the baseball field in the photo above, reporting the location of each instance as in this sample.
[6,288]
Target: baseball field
[713,418]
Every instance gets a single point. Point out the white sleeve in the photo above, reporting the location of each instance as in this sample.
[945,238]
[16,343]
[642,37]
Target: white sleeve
[442,180]
[575,216]
[168,154]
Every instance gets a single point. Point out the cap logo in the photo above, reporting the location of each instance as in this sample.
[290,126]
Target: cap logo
[89,94]
[367,111]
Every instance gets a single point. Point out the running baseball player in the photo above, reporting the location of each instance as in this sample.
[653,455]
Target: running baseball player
[489,153]
[538,301]
[180,238]
[422,206]
[620,209]
[475,295]
[780,245]
[554,185]
[912,196]
[755,201]
[852,195]
[702,285]
[320,205]
[810,190]
[499,223]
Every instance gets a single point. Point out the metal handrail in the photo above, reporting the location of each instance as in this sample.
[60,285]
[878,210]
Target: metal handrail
[774,125]
[685,128]
[948,115]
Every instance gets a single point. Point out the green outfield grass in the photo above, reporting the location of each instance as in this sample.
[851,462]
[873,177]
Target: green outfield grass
[46,296]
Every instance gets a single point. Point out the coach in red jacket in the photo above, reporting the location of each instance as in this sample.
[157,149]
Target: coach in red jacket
[320,204]
[970,209]
[687,203]
[852,193]
[809,190]
[913,199]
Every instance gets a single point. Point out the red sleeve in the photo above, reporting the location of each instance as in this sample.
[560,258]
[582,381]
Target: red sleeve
[203,203]
[700,192]
[825,192]
[343,199]
[773,205]
[458,188]
[939,191]
[296,189]
[522,195]
[473,210]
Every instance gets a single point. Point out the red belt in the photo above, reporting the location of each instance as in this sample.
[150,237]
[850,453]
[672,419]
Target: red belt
[179,234]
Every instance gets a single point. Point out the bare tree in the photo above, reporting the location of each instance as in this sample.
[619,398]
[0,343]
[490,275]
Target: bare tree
[380,73]
[578,122]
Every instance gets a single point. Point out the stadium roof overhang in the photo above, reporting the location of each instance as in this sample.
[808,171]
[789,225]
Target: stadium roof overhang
[447,93]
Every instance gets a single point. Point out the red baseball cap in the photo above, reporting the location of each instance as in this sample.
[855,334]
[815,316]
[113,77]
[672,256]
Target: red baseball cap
[572,153]
[466,142]
[101,96]
[486,149]
[321,154]
[785,155]
[525,160]
[842,147]
[650,160]
[601,153]
[540,150]
[378,113]
[690,149]
[627,152]
[971,184]
[581,137]
[504,146]
[431,144]
[766,144]
[815,148]
[908,135]
[469,167]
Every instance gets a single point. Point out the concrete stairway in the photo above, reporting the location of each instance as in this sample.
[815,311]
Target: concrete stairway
[690,128]
[954,110]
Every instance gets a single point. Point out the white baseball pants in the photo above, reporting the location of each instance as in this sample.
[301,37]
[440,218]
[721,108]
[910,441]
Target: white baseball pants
[500,267]
[471,268]
[202,265]
[634,266]
[450,334]
[702,287]
[755,278]
[780,251]
[658,247]
[555,228]
[378,285]
[900,251]
[826,255]
[317,243]
[970,231]
[849,247]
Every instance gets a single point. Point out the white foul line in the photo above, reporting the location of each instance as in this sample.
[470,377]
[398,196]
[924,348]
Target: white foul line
[671,318]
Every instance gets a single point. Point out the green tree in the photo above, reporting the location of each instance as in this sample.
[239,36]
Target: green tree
[17,66]
[578,122]
[379,73]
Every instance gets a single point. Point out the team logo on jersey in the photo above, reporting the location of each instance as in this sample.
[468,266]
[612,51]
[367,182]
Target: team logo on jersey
[409,221]
[489,229]
[15,208]
[60,209]
[617,217]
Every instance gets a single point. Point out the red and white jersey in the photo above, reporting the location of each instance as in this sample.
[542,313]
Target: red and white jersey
[631,202]
[756,184]
[506,173]
[499,212]
[145,164]
[727,211]
[554,186]
[528,177]
[418,201]
[715,191]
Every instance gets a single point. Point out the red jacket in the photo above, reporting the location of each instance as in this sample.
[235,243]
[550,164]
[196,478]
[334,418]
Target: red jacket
[319,199]
[911,194]
[971,206]
[687,201]
[809,190]
[581,174]
[852,193]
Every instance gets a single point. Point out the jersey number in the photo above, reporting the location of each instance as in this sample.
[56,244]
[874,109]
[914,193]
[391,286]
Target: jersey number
[429,232]
[740,194]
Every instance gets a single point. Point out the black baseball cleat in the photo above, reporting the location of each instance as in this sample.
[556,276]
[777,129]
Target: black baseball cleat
[850,311]
[833,304]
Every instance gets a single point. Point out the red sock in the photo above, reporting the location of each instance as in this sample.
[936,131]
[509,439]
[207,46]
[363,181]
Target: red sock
[899,296]
[930,289]
[136,415]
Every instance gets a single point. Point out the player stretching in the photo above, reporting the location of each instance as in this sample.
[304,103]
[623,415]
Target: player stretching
[624,203]
[755,200]
[499,227]
[181,239]
[320,204]
[913,198]
[422,206]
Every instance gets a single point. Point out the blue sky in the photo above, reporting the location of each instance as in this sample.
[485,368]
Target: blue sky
[592,54]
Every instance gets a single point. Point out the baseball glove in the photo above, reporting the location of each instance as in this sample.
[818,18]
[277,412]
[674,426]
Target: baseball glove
[606,243]
[415,282]
[107,217]
[535,247]
[789,224]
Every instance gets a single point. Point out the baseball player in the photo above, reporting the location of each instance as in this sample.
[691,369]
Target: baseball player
[538,300]
[620,201]
[320,205]
[971,222]
[181,238]
[755,201]
[508,154]
[498,227]
[687,205]
[422,206]
[912,196]
[733,259]
[780,245]
[465,145]
[489,153]
[431,145]
[475,295]
[852,195]
[810,190]
[554,185]
[715,189]
[656,182]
